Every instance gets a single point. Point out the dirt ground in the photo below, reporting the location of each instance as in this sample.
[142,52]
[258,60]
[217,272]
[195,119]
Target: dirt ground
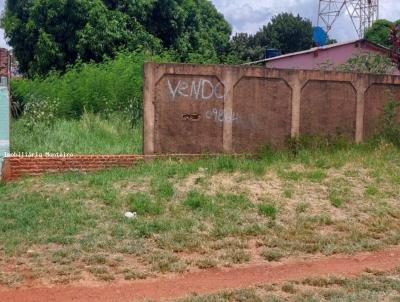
[175,286]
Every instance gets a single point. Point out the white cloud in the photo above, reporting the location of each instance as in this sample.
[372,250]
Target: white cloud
[243,16]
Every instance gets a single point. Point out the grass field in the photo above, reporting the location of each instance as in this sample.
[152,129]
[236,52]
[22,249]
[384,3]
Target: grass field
[199,214]
[90,134]
[373,286]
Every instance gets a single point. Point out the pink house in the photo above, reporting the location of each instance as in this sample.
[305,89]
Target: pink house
[334,54]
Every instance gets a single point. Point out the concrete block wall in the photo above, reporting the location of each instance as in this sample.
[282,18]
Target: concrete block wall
[195,109]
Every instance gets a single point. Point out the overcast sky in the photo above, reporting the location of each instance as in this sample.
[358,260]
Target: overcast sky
[250,15]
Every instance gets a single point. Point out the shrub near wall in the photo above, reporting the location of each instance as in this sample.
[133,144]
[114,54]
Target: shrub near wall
[115,85]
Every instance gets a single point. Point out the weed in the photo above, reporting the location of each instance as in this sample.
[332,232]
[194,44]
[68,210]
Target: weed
[109,195]
[272,254]
[142,204]
[132,274]
[180,242]
[390,126]
[317,282]
[101,273]
[268,210]
[162,188]
[316,175]
[166,262]
[200,181]
[236,256]
[96,259]
[197,201]
[233,201]
[289,288]
[302,207]
[371,191]
[288,192]
[336,198]
[206,263]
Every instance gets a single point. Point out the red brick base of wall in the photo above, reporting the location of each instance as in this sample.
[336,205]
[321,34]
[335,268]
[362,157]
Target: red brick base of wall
[16,167]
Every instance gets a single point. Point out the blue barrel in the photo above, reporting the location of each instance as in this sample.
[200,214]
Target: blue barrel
[319,36]
[272,52]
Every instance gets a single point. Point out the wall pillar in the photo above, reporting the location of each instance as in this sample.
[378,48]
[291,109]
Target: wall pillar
[227,137]
[296,85]
[148,109]
[361,87]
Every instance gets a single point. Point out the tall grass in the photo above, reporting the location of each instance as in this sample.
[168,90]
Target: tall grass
[91,134]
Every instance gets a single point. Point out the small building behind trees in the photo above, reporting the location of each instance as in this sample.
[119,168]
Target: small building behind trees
[327,57]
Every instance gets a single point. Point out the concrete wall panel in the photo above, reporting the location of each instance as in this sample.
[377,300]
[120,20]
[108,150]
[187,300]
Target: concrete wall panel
[328,108]
[262,107]
[376,97]
[188,113]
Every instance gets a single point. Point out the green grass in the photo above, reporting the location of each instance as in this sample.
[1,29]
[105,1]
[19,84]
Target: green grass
[268,210]
[142,204]
[91,134]
[63,226]
[366,288]
[197,201]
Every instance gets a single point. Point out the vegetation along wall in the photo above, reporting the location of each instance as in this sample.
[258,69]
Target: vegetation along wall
[193,109]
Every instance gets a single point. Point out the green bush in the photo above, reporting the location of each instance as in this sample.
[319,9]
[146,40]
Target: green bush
[40,112]
[115,85]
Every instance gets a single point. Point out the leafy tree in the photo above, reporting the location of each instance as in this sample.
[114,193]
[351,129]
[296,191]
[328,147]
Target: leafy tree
[245,48]
[379,32]
[193,29]
[285,32]
[52,34]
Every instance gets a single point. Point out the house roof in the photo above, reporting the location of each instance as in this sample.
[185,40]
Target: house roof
[321,48]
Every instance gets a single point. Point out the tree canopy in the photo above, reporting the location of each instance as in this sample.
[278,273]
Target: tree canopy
[379,32]
[286,32]
[52,34]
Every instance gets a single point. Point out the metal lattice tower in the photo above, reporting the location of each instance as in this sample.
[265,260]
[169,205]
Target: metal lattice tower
[362,13]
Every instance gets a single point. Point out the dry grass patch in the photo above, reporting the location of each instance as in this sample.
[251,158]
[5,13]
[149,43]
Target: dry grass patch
[369,287]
